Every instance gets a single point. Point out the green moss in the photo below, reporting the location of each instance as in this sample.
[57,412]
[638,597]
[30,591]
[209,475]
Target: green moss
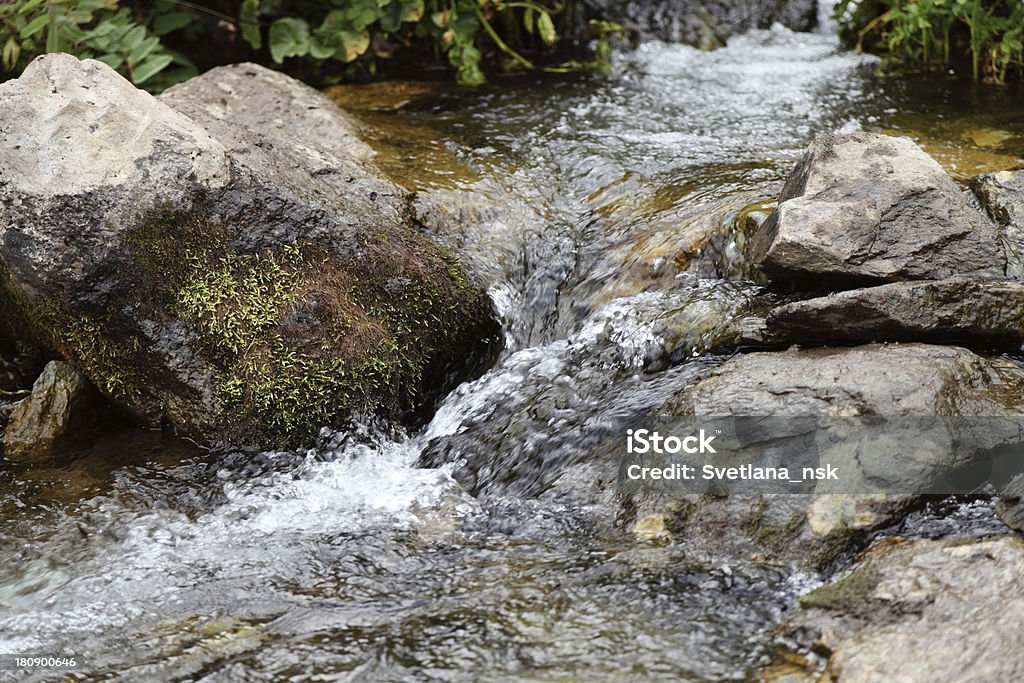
[85,340]
[297,337]
[849,594]
[80,337]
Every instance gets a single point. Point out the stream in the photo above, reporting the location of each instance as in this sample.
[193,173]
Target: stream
[474,548]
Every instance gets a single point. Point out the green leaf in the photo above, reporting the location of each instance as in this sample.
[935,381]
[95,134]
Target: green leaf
[412,10]
[143,50]
[53,41]
[528,20]
[29,6]
[149,68]
[33,27]
[12,51]
[134,37]
[318,50]
[173,21]
[546,28]
[365,17]
[353,44]
[250,21]
[288,37]
[389,23]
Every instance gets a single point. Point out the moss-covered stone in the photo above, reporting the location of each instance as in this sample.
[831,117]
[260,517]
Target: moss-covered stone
[244,274]
[848,593]
[296,336]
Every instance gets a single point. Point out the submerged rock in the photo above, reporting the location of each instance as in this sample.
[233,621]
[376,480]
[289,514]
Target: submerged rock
[918,611]
[863,206]
[62,403]
[949,311]
[242,272]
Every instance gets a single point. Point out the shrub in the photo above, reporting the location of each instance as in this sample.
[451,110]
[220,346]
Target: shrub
[939,34]
[101,29]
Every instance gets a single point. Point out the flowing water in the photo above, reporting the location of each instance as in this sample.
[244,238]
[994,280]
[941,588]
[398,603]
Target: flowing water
[484,546]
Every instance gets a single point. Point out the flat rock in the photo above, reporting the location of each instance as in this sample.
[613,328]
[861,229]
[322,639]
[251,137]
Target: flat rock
[956,310]
[863,206]
[911,380]
[918,611]
[875,379]
[62,402]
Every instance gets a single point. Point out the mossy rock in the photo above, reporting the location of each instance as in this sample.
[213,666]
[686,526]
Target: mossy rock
[250,300]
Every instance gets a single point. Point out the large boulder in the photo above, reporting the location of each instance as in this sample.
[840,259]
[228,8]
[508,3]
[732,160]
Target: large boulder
[706,23]
[956,310]
[248,278]
[914,611]
[62,405]
[863,206]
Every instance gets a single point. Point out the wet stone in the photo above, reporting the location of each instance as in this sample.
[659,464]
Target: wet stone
[863,206]
[62,403]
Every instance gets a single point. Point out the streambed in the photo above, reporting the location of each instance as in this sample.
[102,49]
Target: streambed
[353,561]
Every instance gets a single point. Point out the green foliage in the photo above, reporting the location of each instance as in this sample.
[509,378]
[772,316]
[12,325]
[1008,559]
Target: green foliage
[939,34]
[603,32]
[358,32]
[100,29]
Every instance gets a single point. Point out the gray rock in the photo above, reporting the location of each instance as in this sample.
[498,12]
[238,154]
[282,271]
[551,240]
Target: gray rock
[863,206]
[1010,504]
[917,611]
[62,404]
[1002,195]
[892,381]
[955,310]
[706,23]
[236,267]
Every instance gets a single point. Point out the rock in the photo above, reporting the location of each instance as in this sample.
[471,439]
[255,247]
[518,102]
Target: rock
[889,380]
[240,271]
[1002,195]
[875,380]
[706,23]
[918,611]
[1009,505]
[863,206]
[956,310]
[62,404]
